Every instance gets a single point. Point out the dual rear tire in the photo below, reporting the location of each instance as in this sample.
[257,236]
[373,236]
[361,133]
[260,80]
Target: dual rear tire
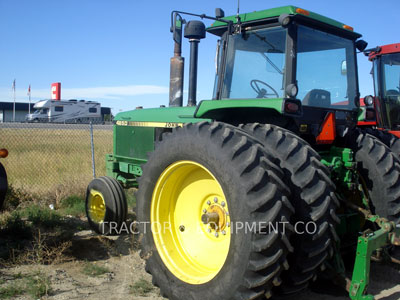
[213,171]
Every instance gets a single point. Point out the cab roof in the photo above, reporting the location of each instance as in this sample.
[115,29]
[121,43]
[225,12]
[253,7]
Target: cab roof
[274,13]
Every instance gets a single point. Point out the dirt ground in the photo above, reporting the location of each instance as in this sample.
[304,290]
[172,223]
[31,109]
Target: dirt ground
[124,267]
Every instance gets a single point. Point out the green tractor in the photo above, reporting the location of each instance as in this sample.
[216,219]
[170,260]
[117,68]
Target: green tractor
[259,189]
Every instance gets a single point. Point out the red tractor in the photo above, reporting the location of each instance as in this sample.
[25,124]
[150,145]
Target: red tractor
[381,114]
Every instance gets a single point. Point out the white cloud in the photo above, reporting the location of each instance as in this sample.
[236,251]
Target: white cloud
[95,93]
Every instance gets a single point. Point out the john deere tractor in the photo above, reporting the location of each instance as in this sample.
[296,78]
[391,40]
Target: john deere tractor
[259,189]
[381,114]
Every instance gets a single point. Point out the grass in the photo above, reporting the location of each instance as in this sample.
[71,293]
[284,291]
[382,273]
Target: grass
[93,270]
[10,291]
[73,205]
[141,287]
[40,216]
[53,162]
[36,285]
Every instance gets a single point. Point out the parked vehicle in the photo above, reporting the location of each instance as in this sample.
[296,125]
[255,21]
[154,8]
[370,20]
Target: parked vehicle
[381,113]
[3,178]
[66,111]
[277,143]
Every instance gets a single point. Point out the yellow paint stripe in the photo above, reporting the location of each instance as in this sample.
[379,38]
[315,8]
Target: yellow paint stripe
[150,124]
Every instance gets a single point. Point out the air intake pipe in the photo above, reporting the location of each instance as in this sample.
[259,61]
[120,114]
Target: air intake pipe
[194,31]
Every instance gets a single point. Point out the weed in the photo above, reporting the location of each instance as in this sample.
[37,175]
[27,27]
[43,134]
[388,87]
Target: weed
[94,270]
[10,291]
[11,224]
[38,285]
[73,205]
[43,216]
[141,287]
[35,285]
[15,197]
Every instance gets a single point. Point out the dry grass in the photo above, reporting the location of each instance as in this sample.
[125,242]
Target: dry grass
[53,163]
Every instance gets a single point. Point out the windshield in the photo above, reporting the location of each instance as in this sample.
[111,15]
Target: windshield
[326,69]
[40,111]
[391,87]
[255,64]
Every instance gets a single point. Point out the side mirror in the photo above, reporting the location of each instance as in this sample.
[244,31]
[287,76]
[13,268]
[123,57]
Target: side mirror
[177,28]
[219,13]
[369,101]
[361,45]
[343,68]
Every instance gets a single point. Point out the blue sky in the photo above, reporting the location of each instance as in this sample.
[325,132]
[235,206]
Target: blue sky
[118,51]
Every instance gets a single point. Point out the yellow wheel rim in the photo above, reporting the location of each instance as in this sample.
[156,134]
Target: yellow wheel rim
[190,222]
[96,206]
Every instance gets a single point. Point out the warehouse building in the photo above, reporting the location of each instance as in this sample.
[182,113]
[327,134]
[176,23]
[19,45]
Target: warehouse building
[21,109]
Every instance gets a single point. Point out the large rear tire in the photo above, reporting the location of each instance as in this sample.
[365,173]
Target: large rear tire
[202,170]
[3,185]
[106,205]
[390,140]
[312,196]
[380,169]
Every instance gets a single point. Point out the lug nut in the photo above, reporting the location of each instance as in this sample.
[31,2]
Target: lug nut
[209,202]
[204,210]
[182,228]
[227,213]
[209,230]
[228,224]
[223,203]
[216,234]
[223,232]
[215,199]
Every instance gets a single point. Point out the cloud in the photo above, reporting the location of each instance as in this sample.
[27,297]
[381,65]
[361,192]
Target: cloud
[95,93]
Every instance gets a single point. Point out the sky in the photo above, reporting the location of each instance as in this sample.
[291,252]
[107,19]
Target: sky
[118,51]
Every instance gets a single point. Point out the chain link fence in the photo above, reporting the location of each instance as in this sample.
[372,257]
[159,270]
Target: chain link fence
[53,160]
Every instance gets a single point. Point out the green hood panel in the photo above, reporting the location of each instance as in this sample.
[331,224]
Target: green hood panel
[207,108]
[163,114]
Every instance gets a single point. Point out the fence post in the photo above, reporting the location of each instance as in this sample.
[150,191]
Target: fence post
[92,146]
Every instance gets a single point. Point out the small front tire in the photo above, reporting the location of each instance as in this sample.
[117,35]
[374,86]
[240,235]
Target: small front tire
[106,205]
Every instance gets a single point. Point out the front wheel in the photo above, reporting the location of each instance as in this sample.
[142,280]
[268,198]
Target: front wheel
[106,205]
[204,204]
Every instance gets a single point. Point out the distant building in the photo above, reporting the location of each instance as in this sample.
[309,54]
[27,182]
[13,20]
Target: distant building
[22,109]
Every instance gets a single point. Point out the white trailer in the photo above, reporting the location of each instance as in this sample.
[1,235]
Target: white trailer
[66,111]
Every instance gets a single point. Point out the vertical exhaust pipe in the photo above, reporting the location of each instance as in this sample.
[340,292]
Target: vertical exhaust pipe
[177,65]
[176,77]
[194,31]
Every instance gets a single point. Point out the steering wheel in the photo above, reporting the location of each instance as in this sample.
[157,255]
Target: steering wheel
[261,92]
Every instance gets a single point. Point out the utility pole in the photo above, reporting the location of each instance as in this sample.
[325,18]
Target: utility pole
[13,87]
[29,94]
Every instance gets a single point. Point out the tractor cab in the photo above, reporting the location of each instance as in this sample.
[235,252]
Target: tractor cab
[386,72]
[286,66]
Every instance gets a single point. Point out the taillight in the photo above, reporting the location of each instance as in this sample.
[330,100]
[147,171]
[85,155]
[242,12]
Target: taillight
[3,153]
[291,107]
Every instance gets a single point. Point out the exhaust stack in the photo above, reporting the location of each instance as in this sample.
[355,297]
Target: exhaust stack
[194,31]
[177,64]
